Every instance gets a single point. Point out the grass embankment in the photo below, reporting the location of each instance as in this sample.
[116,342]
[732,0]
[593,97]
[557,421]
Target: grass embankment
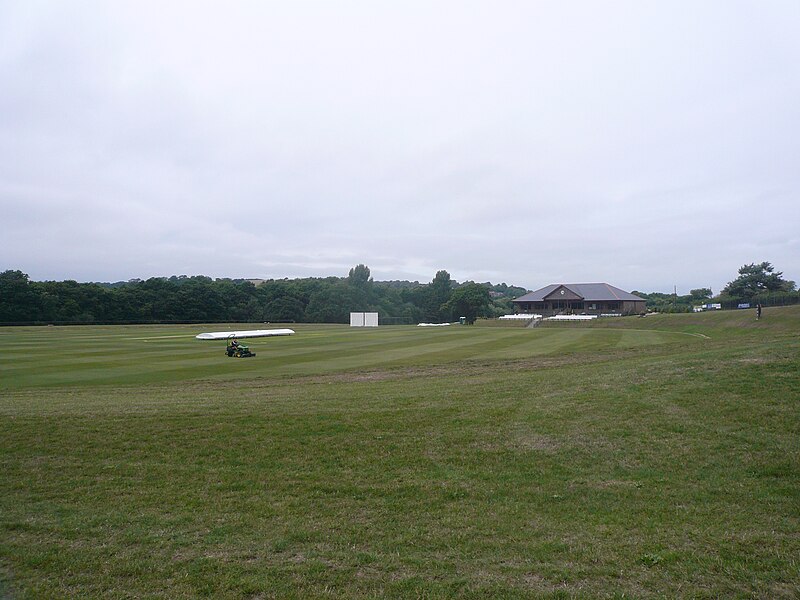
[563,462]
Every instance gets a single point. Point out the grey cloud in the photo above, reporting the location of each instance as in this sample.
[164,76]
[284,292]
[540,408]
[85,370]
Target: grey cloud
[648,145]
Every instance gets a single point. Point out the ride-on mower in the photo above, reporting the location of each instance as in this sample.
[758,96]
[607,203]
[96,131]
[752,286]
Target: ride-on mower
[237,350]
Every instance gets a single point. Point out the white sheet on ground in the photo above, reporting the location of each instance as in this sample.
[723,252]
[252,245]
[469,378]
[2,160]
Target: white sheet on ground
[224,335]
[572,318]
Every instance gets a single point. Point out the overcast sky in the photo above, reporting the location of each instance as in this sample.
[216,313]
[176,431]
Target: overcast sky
[644,144]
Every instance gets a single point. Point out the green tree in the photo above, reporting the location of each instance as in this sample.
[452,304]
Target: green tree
[332,303]
[359,276]
[18,297]
[755,279]
[436,296]
[360,283]
[285,308]
[700,293]
[471,300]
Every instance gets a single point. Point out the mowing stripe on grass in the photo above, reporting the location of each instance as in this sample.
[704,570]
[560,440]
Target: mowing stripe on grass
[86,358]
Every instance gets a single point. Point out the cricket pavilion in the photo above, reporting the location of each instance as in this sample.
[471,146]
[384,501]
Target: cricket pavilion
[580,298]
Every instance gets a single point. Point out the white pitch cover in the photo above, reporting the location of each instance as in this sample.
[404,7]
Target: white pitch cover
[224,335]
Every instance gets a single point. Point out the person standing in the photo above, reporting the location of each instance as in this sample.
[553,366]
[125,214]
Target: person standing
[758,311]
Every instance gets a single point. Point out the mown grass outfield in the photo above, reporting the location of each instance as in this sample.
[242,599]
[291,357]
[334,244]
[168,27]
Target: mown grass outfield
[655,457]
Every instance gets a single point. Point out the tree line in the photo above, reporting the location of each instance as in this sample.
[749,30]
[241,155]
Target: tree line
[203,299]
[756,283]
